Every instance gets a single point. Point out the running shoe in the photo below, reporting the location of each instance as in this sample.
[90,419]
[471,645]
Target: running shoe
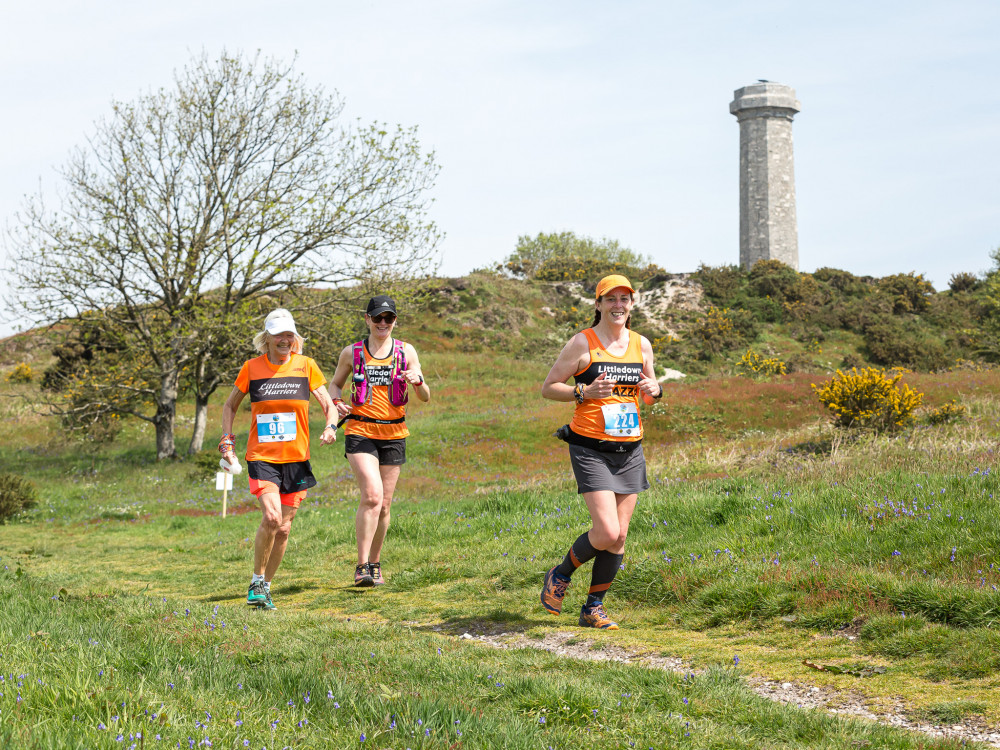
[257,595]
[594,616]
[268,604]
[553,591]
[375,571]
[363,576]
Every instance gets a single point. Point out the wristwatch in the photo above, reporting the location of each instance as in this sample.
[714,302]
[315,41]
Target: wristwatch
[421,381]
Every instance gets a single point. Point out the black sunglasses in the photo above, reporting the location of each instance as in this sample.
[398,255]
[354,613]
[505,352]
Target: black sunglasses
[387,317]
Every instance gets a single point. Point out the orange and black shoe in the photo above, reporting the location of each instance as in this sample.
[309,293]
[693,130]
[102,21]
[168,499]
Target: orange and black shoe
[553,591]
[594,616]
[375,571]
[363,576]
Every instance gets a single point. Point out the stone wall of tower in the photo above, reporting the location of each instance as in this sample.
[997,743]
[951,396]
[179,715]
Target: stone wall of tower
[768,225]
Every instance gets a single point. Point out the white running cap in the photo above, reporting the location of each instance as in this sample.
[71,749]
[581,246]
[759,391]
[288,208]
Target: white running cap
[280,321]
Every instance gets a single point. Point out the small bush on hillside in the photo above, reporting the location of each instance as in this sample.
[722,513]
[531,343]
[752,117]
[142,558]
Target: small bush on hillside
[869,399]
[564,256]
[891,342]
[756,365]
[949,412]
[963,282]
[844,282]
[852,361]
[22,373]
[16,494]
[772,278]
[721,284]
[909,292]
[723,329]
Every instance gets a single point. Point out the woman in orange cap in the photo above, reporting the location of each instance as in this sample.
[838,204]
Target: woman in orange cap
[613,367]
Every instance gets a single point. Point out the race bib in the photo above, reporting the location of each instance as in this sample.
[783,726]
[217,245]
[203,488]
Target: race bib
[621,420]
[276,428]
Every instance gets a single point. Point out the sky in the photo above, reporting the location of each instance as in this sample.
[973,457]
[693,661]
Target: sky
[610,120]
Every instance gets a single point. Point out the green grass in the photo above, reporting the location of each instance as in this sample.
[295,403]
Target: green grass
[766,536]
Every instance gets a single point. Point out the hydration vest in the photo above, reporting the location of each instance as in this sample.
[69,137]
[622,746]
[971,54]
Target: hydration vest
[361,389]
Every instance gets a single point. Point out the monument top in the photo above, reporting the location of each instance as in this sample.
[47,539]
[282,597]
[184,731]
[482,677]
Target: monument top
[764,94]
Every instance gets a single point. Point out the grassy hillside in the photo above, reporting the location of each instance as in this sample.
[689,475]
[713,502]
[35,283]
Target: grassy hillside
[768,539]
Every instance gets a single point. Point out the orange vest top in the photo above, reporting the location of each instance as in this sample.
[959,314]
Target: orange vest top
[379,374]
[617,416]
[279,407]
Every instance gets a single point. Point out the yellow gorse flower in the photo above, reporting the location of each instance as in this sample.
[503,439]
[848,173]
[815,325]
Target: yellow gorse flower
[756,365]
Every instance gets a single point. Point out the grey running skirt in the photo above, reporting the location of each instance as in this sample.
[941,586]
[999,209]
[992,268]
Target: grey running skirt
[622,473]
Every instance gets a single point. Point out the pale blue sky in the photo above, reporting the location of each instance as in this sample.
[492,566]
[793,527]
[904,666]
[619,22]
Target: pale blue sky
[607,119]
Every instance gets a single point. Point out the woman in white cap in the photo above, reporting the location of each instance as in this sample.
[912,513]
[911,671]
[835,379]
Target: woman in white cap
[613,368]
[279,383]
[381,369]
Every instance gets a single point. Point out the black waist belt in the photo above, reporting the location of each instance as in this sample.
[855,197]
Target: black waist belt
[370,420]
[604,446]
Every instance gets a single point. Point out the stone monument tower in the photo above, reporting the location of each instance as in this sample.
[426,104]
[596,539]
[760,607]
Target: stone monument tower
[767,173]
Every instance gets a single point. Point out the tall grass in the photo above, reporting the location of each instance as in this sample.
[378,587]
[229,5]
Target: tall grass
[121,594]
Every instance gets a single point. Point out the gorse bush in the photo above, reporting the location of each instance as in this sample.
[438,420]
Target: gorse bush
[949,412]
[16,495]
[757,365]
[869,398]
[963,282]
[909,292]
[772,278]
[22,373]
[722,329]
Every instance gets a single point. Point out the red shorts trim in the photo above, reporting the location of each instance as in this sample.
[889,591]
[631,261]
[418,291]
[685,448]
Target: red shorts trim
[261,487]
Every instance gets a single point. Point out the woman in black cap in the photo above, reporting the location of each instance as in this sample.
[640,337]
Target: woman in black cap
[380,369]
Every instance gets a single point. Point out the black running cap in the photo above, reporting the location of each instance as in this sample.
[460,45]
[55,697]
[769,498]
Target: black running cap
[380,304]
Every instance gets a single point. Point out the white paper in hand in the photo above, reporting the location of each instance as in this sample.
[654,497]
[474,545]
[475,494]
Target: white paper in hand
[234,468]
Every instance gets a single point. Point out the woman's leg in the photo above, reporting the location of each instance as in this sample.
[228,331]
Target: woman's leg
[271,518]
[390,476]
[280,542]
[369,478]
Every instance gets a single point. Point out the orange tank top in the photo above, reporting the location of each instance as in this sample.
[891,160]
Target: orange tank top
[379,374]
[617,416]
[279,407]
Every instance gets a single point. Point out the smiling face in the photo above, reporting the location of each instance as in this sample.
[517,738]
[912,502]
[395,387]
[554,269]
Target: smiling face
[280,346]
[381,325]
[616,305]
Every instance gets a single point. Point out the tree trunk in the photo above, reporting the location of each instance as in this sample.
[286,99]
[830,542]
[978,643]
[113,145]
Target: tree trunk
[166,411]
[200,423]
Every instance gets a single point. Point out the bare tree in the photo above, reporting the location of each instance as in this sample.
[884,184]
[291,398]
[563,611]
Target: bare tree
[191,204]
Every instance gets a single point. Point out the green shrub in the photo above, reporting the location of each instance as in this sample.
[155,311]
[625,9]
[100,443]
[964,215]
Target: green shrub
[908,344]
[722,329]
[774,279]
[844,282]
[16,494]
[909,292]
[963,282]
[564,256]
[721,284]
[869,399]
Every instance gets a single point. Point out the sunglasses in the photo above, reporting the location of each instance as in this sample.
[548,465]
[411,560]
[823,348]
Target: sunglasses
[385,318]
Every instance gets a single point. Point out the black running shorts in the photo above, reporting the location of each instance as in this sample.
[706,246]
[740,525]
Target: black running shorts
[388,452]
